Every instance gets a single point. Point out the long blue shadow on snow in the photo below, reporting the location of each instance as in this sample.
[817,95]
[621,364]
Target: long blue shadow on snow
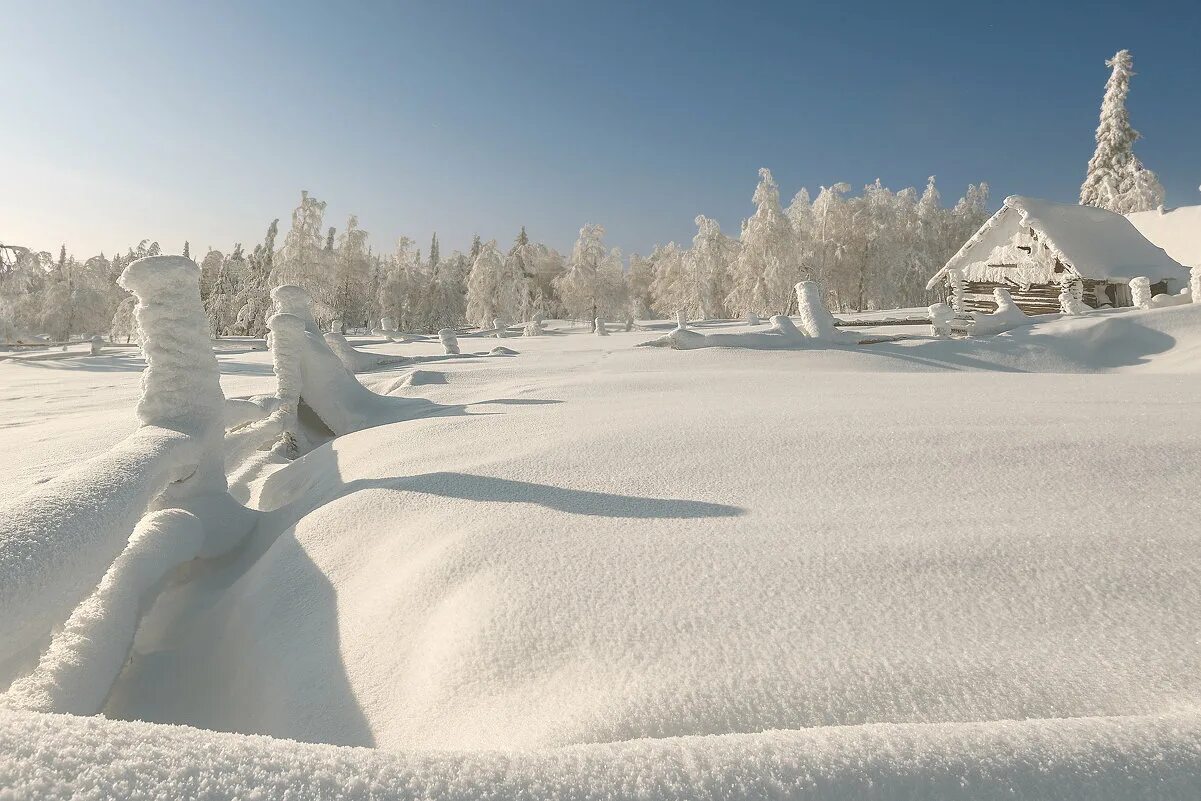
[468,487]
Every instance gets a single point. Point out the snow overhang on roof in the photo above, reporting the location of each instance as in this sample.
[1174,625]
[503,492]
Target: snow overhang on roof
[1093,243]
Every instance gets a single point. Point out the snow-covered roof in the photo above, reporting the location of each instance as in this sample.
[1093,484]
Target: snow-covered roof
[1094,243]
[1178,231]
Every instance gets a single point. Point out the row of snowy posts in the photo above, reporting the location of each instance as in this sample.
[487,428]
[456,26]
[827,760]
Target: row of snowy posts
[81,553]
[1071,302]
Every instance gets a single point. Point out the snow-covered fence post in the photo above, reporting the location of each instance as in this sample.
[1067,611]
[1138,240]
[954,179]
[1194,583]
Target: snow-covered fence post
[1140,291]
[181,385]
[816,320]
[287,343]
[681,319]
[599,326]
[291,299]
[958,290]
[450,342]
[1194,283]
[941,317]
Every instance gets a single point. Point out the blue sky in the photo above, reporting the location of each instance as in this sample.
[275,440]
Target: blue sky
[205,120]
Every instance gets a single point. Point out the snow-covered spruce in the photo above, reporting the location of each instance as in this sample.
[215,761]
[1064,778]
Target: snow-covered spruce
[1140,292]
[75,673]
[450,342]
[941,317]
[598,326]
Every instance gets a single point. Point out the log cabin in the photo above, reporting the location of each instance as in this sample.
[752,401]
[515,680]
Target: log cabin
[1034,248]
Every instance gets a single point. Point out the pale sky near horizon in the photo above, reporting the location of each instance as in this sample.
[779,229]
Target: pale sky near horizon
[203,121]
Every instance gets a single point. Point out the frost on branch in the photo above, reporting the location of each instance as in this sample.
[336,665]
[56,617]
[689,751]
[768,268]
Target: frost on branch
[941,317]
[181,385]
[1140,291]
[450,342]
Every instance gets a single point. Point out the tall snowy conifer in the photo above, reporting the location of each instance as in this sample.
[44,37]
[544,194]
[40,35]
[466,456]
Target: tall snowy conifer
[1116,179]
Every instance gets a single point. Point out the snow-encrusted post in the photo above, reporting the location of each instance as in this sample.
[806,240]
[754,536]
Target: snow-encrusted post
[941,317]
[681,319]
[291,299]
[1194,284]
[181,385]
[450,342]
[499,325]
[287,344]
[599,326]
[816,320]
[958,290]
[1140,291]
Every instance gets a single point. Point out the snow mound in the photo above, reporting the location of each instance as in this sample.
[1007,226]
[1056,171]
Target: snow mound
[1178,231]
[56,758]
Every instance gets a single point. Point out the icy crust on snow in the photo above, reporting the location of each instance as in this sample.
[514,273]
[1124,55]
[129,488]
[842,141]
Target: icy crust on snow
[53,757]
[57,542]
[77,670]
[1095,243]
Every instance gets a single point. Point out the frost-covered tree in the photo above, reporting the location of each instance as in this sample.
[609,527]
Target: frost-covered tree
[496,288]
[671,288]
[1116,179]
[640,279]
[768,264]
[300,259]
[351,276]
[708,265]
[594,285]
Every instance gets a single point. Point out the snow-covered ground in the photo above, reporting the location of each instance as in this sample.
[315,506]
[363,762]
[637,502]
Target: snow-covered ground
[914,569]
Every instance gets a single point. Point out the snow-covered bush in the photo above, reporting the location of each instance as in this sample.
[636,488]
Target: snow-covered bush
[782,324]
[450,342]
[532,329]
[1194,283]
[97,345]
[1140,291]
[753,319]
[816,320]
[1071,297]
[1164,300]
[1006,316]
[499,325]
[941,317]
[387,324]
[599,327]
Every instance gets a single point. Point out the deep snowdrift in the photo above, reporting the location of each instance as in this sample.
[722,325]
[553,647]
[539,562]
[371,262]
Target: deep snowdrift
[862,568]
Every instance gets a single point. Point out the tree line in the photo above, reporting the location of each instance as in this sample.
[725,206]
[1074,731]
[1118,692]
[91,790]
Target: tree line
[868,251]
